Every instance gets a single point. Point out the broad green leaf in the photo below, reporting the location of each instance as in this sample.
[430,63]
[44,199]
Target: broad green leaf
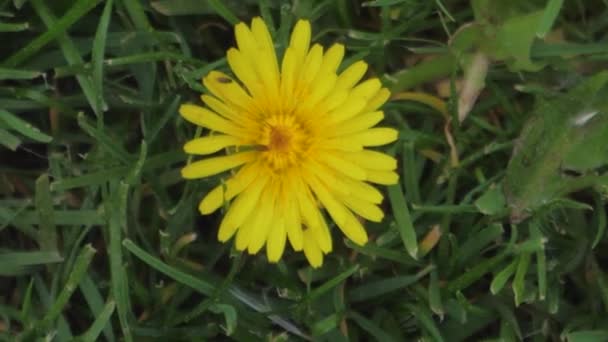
[567,132]
[514,39]
[492,202]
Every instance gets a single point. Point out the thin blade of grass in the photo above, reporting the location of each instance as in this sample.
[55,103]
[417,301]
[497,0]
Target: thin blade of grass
[548,18]
[47,236]
[80,268]
[98,54]
[18,74]
[76,11]
[403,220]
[23,127]
[68,47]
[103,318]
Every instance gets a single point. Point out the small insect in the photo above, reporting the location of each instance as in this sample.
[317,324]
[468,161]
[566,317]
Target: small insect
[224,80]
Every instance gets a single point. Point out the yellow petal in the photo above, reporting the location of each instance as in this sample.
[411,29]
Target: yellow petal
[344,218]
[322,89]
[367,89]
[227,90]
[328,176]
[245,232]
[268,64]
[300,40]
[378,100]
[312,216]
[293,224]
[353,229]
[345,167]
[243,69]
[213,200]
[351,107]
[322,234]
[353,74]
[312,64]
[276,241]
[363,191]
[241,209]
[210,144]
[382,177]
[374,136]
[334,208]
[266,207]
[371,160]
[227,191]
[308,210]
[363,208]
[211,166]
[245,40]
[311,250]
[336,98]
[203,117]
[342,144]
[331,60]
[219,107]
[357,124]
[288,73]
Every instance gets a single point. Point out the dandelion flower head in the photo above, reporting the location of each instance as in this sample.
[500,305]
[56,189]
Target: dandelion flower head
[297,136]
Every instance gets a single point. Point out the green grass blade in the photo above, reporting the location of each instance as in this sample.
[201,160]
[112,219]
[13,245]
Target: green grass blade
[548,18]
[80,268]
[98,54]
[501,278]
[119,280]
[18,74]
[68,47]
[44,206]
[92,334]
[423,315]
[76,11]
[9,140]
[403,220]
[16,263]
[198,284]
[330,284]
[14,27]
[381,287]
[519,285]
[95,301]
[23,127]
[378,333]
[104,139]
[223,12]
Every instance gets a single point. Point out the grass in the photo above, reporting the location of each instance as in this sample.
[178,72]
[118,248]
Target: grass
[496,230]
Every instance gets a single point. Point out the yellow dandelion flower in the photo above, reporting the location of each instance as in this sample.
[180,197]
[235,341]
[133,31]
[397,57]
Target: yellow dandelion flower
[296,136]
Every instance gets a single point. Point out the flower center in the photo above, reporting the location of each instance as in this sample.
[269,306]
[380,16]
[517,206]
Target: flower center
[282,139]
[279,139]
